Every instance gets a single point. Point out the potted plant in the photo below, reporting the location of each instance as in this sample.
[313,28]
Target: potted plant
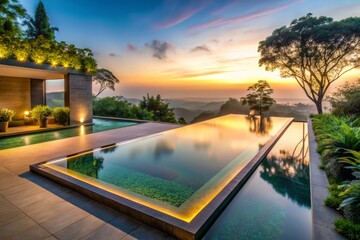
[62,115]
[5,117]
[41,114]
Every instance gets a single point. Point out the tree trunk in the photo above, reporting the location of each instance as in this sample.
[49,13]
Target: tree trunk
[319,107]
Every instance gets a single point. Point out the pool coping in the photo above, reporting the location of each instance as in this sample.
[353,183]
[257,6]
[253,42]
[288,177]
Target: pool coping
[178,228]
[322,215]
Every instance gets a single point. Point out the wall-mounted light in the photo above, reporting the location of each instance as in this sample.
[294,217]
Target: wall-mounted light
[26,113]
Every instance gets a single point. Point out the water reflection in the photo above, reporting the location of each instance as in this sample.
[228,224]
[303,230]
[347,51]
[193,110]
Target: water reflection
[108,149]
[288,172]
[88,164]
[164,148]
[275,202]
[260,124]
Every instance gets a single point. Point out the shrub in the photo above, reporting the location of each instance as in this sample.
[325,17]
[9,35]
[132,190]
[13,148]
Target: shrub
[333,200]
[6,114]
[115,107]
[346,100]
[348,228]
[61,115]
[40,112]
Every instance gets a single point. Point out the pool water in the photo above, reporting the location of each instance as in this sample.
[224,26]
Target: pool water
[177,172]
[98,126]
[275,202]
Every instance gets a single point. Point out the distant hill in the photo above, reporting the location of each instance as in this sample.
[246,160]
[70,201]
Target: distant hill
[55,99]
[187,114]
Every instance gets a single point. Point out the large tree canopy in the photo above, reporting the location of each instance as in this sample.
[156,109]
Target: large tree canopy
[40,24]
[10,12]
[315,51]
[106,79]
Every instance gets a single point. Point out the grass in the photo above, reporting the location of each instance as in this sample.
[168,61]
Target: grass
[348,228]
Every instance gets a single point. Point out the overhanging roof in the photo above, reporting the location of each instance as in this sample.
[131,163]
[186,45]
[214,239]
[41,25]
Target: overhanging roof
[13,68]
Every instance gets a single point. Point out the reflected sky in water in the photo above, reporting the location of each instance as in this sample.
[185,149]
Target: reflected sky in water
[200,158]
[275,202]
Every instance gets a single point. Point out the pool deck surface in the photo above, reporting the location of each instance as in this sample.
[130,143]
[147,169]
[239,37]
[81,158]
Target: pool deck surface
[33,207]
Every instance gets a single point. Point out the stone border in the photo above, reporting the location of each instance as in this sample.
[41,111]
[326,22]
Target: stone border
[322,215]
[176,227]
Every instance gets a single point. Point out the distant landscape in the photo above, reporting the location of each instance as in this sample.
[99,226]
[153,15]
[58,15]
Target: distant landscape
[195,110]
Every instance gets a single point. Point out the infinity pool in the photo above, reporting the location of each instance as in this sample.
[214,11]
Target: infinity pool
[177,172]
[275,202]
[28,139]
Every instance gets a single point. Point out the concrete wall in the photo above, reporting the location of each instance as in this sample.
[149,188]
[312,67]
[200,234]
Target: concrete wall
[38,92]
[15,95]
[78,96]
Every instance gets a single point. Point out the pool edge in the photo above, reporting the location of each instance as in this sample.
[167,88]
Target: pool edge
[193,230]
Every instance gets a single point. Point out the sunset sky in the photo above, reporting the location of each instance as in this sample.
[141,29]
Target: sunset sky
[184,49]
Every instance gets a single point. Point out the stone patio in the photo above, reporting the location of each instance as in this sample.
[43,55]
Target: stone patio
[32,207]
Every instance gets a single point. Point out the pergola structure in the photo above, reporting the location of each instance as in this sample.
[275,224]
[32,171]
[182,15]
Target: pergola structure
[23,86]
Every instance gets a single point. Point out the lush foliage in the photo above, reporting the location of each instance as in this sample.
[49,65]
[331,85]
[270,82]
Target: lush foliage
[40,24]
[315,51]
[10,12]
[339,145]
[105,79]
[41,112]
[348,228]
[6,114]
[160,110]
[61,115]
[116,107]
[260,98]
[346,100]
[43,48]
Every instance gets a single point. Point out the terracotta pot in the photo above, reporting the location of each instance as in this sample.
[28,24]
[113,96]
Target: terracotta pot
[4,126]
[43,122]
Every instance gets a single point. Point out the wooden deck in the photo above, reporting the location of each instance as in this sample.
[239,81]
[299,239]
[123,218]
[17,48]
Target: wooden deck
[32,207]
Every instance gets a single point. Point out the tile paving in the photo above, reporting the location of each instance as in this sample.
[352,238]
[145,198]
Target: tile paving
[32,207]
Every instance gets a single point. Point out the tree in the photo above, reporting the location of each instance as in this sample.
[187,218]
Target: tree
[10,12]
[161,110]
[40,24]
[233,106]
[182,121]
[259,99]
[314,51]
[116,107]
[106,79]
[346,100]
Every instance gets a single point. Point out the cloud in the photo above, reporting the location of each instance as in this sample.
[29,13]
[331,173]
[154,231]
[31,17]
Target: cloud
[202,48]
[112,54]
[160,49]
[179,73]
[176,12]
[242,18]
[182,16]
[131,47]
